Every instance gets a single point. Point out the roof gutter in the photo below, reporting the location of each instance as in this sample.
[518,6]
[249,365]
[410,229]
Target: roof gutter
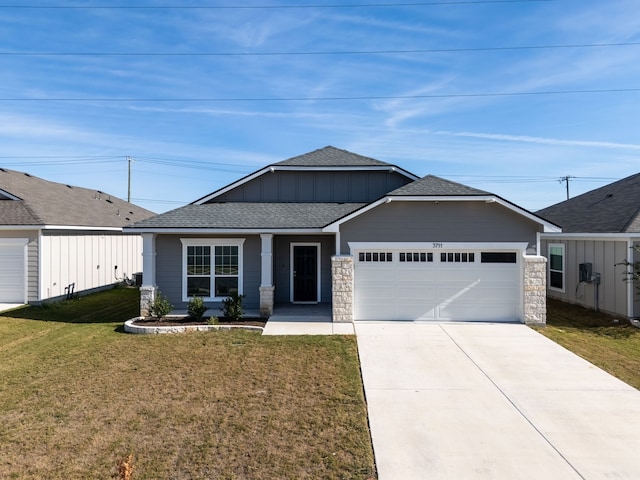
[224,231]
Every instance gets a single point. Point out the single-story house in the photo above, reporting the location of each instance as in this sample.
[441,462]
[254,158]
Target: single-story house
[600,229]
[57,239]
[369,238]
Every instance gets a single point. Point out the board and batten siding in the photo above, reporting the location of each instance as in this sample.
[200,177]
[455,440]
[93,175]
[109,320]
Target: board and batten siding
[603,255]
[86,260]
[169,264]
[316,186]
[428,221]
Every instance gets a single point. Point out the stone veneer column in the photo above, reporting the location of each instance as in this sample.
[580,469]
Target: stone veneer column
[535,290]
[342,288]
[266,301]
[147,297]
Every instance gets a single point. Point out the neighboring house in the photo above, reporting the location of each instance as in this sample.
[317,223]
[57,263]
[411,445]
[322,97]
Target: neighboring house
[600,229]
[369,238]
[56,239]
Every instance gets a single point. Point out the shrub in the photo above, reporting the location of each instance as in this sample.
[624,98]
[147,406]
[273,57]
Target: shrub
[196,308]
[232,306]
[160,307]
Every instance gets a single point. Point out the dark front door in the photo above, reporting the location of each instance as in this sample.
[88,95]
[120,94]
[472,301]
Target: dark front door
[305,273]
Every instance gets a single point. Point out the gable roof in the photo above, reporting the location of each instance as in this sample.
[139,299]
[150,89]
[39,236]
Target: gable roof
[332,157]
[436,186]
[614,208]
[328,158]
[246,215]
[28,200]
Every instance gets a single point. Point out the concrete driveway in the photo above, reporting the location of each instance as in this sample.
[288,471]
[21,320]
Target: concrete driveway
[492,401]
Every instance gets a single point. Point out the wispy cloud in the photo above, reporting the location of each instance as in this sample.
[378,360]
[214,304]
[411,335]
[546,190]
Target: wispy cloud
[541,140]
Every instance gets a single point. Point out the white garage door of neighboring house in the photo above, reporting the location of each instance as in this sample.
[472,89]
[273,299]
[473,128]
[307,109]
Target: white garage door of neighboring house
[437,284]
[12,270]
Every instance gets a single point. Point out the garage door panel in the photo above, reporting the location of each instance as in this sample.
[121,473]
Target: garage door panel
[435,290]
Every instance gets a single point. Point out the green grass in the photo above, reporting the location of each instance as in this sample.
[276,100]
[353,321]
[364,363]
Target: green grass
[597,337]
[77,396]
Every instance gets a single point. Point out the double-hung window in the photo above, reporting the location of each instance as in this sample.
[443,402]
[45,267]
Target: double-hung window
[556,266]
[212,268]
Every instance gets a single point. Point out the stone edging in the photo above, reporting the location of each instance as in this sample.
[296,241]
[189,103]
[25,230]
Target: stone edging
[129,327]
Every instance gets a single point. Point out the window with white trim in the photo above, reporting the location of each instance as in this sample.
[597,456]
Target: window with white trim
[556,266]
[212,268]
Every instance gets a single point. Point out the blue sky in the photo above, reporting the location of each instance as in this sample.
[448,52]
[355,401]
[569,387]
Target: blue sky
[199,97]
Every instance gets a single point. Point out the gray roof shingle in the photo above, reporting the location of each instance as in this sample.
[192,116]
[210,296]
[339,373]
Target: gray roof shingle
[245,215]
[614,208]
[332,157]
[436,186]
[41,202]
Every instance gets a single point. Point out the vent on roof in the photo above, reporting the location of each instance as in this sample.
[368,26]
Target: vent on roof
[3,170]
[27,175]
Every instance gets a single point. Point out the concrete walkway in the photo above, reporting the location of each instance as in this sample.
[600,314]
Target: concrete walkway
[492,401]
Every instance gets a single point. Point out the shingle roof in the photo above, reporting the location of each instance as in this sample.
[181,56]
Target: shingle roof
[244,215]
[332,157]
[41,202]
[614,208]
[436,186]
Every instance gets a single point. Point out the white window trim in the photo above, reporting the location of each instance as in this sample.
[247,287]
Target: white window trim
[211,242]
[564,266]
[318,272]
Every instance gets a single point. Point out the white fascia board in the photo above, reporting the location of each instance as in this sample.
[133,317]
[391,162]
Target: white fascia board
[295,168]
[233,185]
[335,226]
[444,246]
[81,228]
[548,227]
[353,168]
[227,231]
[590,236]
[10,196]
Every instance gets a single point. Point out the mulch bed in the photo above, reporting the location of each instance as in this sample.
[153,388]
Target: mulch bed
[185,321]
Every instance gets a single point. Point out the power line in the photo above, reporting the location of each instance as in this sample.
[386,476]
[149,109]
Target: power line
[319,99]
[347,52]
[261,7]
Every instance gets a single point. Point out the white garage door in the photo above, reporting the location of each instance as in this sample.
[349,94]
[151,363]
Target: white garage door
[12,272]
[438,285]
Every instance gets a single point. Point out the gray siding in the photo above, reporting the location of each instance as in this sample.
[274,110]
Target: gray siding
[169,275]
[316,186]
[442,222]
[282,264]
[603,255]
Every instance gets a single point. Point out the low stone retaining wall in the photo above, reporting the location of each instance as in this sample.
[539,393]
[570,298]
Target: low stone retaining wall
[129,327]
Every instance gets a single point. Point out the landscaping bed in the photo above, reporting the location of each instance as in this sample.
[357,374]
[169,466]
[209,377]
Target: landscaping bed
[177,321]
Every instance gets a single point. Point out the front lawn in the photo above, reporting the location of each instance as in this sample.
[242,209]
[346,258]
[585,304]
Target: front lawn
[77,396]
[609,342]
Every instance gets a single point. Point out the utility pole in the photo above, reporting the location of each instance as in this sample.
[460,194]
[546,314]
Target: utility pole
[129,159]
[566,180]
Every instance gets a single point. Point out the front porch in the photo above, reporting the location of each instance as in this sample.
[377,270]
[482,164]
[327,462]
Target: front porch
[298,319]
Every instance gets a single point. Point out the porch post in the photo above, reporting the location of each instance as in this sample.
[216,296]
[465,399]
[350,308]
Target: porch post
[148,288]
[266,276]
